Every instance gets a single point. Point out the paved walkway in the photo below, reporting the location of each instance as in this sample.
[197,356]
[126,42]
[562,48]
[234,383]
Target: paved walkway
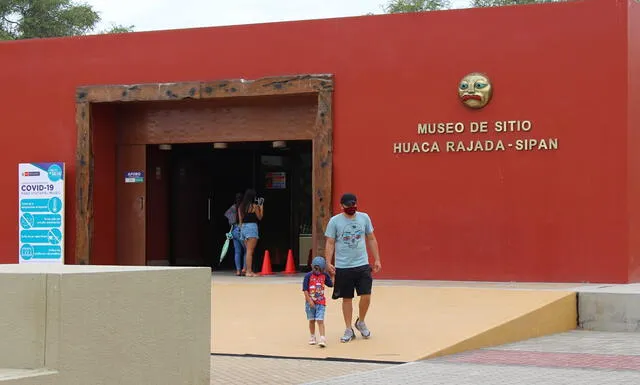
[238,370]
[573,358]
[230,370]
[577,357]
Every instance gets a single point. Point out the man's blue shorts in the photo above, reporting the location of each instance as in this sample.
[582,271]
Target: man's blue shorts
[314,313]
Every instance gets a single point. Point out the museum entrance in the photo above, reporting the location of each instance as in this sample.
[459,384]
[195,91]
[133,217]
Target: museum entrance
[135,142]
[192,185]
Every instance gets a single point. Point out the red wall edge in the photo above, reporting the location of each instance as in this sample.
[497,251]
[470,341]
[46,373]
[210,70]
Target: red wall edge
[633,146]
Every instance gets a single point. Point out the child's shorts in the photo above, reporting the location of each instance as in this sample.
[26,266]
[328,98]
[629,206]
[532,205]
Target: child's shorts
[314,313]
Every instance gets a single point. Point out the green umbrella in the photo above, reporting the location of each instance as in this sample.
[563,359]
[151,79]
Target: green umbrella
[225,247]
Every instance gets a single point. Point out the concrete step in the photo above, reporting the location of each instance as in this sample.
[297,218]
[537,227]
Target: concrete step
[10,376]
[609,308]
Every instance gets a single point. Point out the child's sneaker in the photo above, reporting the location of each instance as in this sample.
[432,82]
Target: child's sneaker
[348,335]
[323,342]
[362,328]
[312,340]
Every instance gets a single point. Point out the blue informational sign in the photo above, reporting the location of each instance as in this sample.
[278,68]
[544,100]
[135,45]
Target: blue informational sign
[134,177]
[41,212]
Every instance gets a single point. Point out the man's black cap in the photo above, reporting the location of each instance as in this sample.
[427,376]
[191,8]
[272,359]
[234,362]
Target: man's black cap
[348,199]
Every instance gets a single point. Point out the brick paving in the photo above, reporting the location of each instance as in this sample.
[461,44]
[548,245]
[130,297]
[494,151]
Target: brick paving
[580,341]
[573,358]
[463,374]
[567,360]
[235,370]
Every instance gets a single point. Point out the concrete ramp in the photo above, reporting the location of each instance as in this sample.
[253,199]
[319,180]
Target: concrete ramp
[407,323]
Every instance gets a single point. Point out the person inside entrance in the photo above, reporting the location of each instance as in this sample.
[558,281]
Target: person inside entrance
[239,249]
[250,214]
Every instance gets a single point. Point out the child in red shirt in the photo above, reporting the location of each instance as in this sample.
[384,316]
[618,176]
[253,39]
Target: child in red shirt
[315,301]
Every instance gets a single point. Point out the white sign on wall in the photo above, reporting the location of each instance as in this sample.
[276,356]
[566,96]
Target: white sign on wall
[41,212]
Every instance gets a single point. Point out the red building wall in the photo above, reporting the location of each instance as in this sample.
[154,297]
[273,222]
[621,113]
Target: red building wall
[633,145]
[563,215]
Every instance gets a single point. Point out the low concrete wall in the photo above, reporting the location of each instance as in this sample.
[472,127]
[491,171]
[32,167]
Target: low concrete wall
[23,309]
[613,308]
[78,325]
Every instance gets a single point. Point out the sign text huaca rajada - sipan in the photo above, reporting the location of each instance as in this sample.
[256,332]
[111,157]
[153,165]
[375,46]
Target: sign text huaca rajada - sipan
[484,136]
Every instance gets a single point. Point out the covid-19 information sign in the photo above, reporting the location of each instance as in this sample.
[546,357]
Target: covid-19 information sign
[41,212]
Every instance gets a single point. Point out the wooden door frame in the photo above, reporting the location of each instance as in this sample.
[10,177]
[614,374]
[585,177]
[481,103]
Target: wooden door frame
[322,137]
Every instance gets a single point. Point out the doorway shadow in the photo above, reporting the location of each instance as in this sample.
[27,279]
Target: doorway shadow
[200,185]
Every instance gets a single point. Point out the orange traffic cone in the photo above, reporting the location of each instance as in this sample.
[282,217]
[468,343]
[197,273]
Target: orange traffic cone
[266,264]
[290,268]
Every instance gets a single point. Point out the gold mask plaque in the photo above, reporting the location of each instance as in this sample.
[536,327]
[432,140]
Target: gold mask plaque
[475,90]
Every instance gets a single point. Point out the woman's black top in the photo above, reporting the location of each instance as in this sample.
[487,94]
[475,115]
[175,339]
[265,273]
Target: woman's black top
[250,218]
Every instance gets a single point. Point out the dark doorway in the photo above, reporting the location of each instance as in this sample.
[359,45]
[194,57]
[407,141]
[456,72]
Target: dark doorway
[202,180]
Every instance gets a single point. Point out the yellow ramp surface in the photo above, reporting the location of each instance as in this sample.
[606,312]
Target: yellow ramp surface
[406,323]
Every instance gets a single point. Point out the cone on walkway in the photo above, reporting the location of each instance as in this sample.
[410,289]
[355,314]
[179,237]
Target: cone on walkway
[290,268]
[266,264]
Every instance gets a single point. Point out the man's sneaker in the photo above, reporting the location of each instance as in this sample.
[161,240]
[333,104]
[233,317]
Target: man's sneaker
[312,340]
[323,342]
[362,328]
[348,335]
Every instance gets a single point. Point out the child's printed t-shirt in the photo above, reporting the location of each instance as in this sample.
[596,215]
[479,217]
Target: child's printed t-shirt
[314,284]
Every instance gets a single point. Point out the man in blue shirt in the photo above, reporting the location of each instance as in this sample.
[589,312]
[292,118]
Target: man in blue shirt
[348,234]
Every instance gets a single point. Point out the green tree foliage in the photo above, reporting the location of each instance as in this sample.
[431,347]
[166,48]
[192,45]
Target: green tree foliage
[28,19]
[117,28]
[401,6]
[404,6]
[501,3]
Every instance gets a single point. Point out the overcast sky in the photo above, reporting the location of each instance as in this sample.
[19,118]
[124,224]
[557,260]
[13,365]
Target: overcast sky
[150,15]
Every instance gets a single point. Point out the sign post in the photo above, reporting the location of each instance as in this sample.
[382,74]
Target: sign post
[41,212]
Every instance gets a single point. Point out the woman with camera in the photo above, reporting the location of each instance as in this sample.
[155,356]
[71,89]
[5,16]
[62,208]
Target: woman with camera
[250,213]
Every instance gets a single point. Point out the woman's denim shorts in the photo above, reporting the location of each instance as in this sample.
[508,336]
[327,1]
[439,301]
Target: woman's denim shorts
[249,230]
